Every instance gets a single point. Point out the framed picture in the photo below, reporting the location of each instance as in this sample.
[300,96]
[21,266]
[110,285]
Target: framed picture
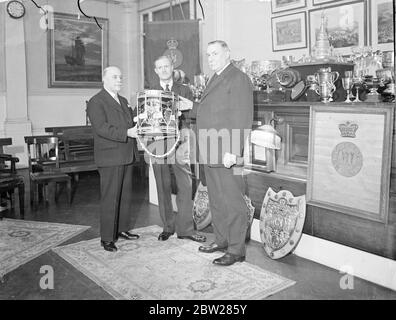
[382,32]
[289,32]
[346,26]
[350,160]
[77,51]
[320,2]
[283,5]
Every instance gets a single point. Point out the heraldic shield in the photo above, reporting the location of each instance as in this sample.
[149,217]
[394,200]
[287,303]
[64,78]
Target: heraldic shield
[201,210]
[281,222]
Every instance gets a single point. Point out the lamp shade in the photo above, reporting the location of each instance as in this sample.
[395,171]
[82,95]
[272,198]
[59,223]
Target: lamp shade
[266,136]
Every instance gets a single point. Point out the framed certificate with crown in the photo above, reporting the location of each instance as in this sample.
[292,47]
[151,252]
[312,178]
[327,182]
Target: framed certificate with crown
[349,159]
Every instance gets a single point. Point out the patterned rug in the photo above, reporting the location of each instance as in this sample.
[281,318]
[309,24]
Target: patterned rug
[22,241]
[149,269]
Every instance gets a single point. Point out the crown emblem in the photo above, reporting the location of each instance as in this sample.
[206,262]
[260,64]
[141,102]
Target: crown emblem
[348,129]
[172,44]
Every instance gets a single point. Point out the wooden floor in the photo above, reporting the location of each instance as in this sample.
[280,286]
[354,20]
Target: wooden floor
[314,281]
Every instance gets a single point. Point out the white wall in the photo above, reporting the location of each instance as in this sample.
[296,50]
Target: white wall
[248,31]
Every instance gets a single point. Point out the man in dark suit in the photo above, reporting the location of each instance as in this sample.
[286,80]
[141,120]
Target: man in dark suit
[114,152]
[224,119]
[182,221]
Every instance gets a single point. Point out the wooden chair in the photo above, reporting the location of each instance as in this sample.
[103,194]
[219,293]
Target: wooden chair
[9,181]
[44,167]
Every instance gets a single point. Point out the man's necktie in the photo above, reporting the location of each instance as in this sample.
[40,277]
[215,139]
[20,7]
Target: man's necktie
[167,87]
[116,99]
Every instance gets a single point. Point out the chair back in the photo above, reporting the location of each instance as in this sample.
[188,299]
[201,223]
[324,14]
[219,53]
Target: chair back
[78,143]
[4,142]
[43,152]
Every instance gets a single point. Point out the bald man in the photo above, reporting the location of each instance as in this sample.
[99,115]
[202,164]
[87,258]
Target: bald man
[114,152]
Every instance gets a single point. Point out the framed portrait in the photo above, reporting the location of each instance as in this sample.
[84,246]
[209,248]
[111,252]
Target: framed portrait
[346,26]
[382,32]
[350,160]
[289,32]
[77,51]
[283,5]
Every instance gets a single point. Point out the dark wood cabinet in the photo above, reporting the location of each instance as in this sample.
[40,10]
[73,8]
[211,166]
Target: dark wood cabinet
[292,123]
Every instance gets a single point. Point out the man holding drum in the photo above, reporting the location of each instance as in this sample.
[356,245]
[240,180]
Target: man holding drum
[182,221]
[114,152]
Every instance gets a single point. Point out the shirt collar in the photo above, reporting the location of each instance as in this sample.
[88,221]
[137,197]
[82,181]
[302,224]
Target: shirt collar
[169,83]
[218,73]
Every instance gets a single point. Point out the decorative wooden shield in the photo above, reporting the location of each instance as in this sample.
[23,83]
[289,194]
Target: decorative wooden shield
[201,210]
[281,222]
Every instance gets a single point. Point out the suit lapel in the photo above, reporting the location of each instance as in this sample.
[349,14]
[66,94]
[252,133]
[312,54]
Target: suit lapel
[214,82]
[117,106]
[125,108]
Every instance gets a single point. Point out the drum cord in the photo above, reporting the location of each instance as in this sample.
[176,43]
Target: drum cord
[162,155]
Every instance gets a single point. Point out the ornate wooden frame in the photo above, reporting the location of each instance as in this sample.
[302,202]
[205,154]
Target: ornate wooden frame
[349,171]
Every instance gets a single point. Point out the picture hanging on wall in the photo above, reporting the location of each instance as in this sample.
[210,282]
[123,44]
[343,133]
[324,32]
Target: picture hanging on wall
[77,51]
[345,23]
[382,33]
[289,32]
[283,5]
[350,161]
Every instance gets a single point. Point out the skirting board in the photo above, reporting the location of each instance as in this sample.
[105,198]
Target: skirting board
[370,267]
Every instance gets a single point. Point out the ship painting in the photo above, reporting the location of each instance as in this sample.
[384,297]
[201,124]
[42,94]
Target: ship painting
[78,52]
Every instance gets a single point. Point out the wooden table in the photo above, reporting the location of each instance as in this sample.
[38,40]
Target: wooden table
[59,130]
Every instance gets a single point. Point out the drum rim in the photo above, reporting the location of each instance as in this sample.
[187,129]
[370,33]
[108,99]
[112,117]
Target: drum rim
[156,93]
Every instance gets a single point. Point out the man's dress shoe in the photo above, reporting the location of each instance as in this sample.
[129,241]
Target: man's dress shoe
[194,237]
[108,246]
[128,236]
[164,235]
[228,259]
[211,248]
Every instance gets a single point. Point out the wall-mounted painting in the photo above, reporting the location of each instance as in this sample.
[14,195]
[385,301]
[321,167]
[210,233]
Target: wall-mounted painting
[346,26]
[283,5]
[382,25]
[289,32]
[77,51]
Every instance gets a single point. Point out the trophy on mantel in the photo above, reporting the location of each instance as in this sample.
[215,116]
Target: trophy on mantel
[199,85]
[322,49]
[326,79]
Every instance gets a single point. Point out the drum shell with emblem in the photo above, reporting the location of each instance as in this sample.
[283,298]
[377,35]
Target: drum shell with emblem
[157,113]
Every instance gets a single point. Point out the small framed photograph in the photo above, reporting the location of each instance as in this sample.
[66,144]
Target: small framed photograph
[283,5]
[350,160]
[346,26]
[382,32]
[77,51]
[289,32]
